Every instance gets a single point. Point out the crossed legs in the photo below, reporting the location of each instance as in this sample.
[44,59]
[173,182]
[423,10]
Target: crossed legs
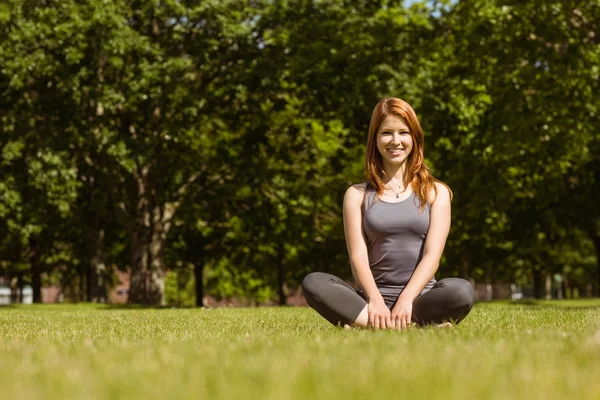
[449,299]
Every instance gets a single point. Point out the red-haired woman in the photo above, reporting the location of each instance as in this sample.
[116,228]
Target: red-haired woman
[396,226]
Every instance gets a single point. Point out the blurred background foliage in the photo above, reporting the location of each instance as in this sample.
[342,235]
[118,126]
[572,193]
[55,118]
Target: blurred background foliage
[205,146]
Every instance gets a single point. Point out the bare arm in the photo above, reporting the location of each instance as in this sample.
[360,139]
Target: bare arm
[439,226]
[355,241]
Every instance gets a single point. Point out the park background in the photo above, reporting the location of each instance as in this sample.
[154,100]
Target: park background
[204,147]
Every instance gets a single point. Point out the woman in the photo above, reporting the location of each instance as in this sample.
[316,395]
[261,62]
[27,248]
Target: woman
[396,226]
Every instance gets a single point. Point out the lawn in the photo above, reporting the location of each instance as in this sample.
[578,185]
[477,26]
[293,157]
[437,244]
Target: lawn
[539,350]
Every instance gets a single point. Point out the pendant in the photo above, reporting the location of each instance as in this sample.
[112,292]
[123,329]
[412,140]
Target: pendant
[397,195]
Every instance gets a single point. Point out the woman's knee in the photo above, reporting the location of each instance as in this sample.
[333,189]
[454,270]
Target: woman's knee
[312,282]
[461,291]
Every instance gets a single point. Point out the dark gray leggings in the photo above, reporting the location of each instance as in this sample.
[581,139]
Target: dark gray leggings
[449,299]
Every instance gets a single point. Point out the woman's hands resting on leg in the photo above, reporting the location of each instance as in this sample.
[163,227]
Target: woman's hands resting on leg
[401,314]
[380,317]
[379,314]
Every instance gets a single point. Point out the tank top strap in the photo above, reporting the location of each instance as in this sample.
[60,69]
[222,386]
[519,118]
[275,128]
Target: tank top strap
[368,197]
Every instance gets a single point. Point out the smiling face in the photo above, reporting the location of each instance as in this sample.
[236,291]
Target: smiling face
[394,141]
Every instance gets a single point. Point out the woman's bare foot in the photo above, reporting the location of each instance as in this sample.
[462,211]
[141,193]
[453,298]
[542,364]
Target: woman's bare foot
[444,325]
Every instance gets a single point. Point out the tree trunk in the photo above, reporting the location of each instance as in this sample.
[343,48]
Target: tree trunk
[98,289]
[140,241]
[158,274]
[596,240]
[89,280]
[281,276]
[566,290]
[20,285]
[152,222]
[199,276]
[465,271]
[538,283]
[548,286]
[139,268]
[81,296]
[36,277]
[96,278]
[147,266]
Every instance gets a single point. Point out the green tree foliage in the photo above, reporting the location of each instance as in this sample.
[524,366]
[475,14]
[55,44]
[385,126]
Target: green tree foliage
[38,183]
[221,135]
[310,105]
[513,107]
[139,91]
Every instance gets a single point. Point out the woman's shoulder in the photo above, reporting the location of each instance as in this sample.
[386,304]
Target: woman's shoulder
[357,187]
[356,192]
[439,191]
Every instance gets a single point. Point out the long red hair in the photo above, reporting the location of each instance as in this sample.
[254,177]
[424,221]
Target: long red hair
[417,172]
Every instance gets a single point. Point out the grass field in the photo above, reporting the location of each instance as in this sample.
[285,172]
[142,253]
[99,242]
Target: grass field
[542,350]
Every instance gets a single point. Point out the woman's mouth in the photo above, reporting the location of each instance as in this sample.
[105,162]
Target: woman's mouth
[395,152]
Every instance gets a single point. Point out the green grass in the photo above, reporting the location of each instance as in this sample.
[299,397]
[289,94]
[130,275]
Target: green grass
[540,350]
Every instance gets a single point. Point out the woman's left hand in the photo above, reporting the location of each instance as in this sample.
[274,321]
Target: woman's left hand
[402,314]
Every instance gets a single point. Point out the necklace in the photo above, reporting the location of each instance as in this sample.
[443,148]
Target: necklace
[397,193]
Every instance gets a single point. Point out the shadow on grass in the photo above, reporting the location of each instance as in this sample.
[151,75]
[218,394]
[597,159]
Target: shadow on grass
[579,304]
[143,307]
[104,306]
[94,306]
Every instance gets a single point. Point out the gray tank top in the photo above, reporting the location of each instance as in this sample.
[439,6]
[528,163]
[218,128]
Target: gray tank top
[395,236]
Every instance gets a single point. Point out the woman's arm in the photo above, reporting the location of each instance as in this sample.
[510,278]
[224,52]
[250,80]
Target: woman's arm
[379,314]
[355,241]
[439,226]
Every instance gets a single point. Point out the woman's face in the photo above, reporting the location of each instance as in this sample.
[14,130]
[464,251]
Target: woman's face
[394,141]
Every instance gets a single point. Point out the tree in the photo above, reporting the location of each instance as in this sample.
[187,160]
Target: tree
[146,86]
[497,107]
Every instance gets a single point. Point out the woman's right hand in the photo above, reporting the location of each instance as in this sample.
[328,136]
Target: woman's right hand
[379,314]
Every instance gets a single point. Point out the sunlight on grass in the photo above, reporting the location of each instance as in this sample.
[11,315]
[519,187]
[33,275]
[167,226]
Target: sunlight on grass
[545,350]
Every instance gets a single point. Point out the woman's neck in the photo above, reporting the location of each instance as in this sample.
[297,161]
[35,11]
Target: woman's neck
[395,173]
